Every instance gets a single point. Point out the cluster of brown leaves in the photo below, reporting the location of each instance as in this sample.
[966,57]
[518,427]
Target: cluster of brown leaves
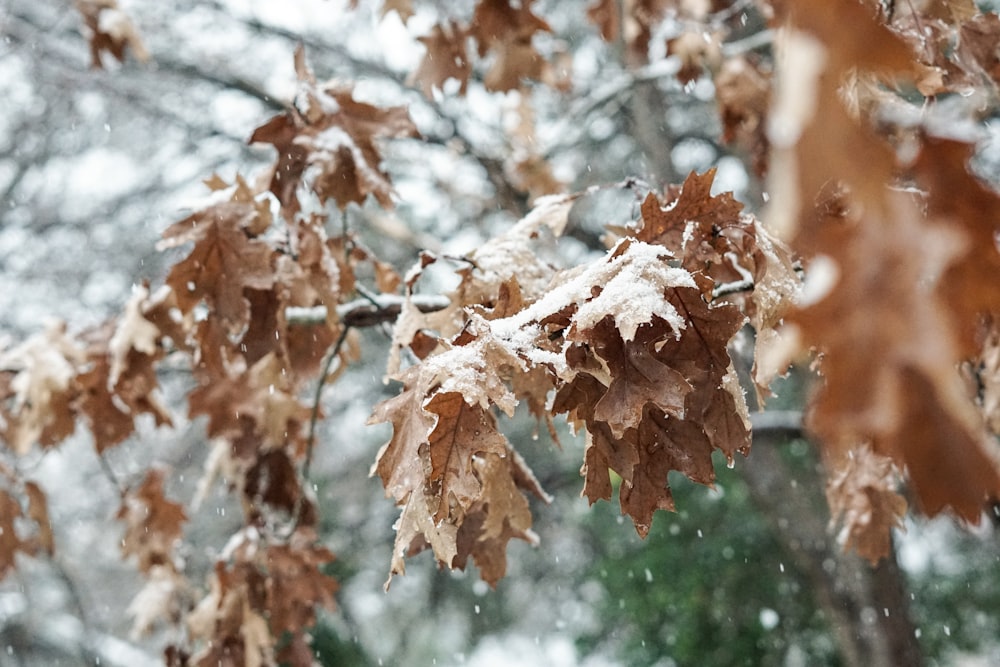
[906,281]
[250,258]
[633,347]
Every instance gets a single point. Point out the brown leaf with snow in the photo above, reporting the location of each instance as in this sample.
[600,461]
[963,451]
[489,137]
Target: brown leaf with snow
[334,138]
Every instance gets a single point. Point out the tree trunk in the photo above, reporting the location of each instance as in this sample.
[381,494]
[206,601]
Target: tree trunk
[867,607]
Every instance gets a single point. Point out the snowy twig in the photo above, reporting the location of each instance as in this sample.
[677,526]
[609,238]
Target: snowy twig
[732,288]
[366,312]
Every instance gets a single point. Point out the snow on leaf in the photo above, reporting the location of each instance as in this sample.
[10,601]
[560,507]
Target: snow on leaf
[632,290]
[333,137]
[43,389]
[133,332]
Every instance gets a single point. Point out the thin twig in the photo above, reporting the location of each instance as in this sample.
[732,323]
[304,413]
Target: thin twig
[110,474]
[314,417]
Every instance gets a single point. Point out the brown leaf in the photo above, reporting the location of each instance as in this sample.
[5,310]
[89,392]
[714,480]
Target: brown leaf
[692,206]
[638,378]
[335,136]
[500,515]
[152,523]
[446,58]
[862,495]
[402,463]
[664,443]
[743,91]
[507,31]
[43,390]
[461,433]
[890,363]
[296,587]
[111,31]
[223,262]
[38,511]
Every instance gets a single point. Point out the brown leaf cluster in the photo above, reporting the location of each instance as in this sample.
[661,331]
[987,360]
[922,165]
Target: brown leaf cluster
[504,33]
[907,282]
[334,138]
[260,593]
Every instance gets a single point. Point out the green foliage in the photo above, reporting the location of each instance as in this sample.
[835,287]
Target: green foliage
[684,595]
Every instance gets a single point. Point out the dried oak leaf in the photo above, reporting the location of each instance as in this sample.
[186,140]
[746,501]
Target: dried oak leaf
[263,397]
[111,31]
[862,495]
[402,463]
[446,58]
[647,371]
[225,259]
[507,31]
[689,219]
[638,378]
[500,515]
[230,619]
[296,587]
[461,432]
[153,524]
[327,141]
[743,91]
[40,397]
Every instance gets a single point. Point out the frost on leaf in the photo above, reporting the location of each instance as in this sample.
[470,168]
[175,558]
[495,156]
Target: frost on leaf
[327,142]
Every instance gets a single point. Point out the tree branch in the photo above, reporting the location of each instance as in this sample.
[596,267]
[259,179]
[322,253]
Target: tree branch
[367,312]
